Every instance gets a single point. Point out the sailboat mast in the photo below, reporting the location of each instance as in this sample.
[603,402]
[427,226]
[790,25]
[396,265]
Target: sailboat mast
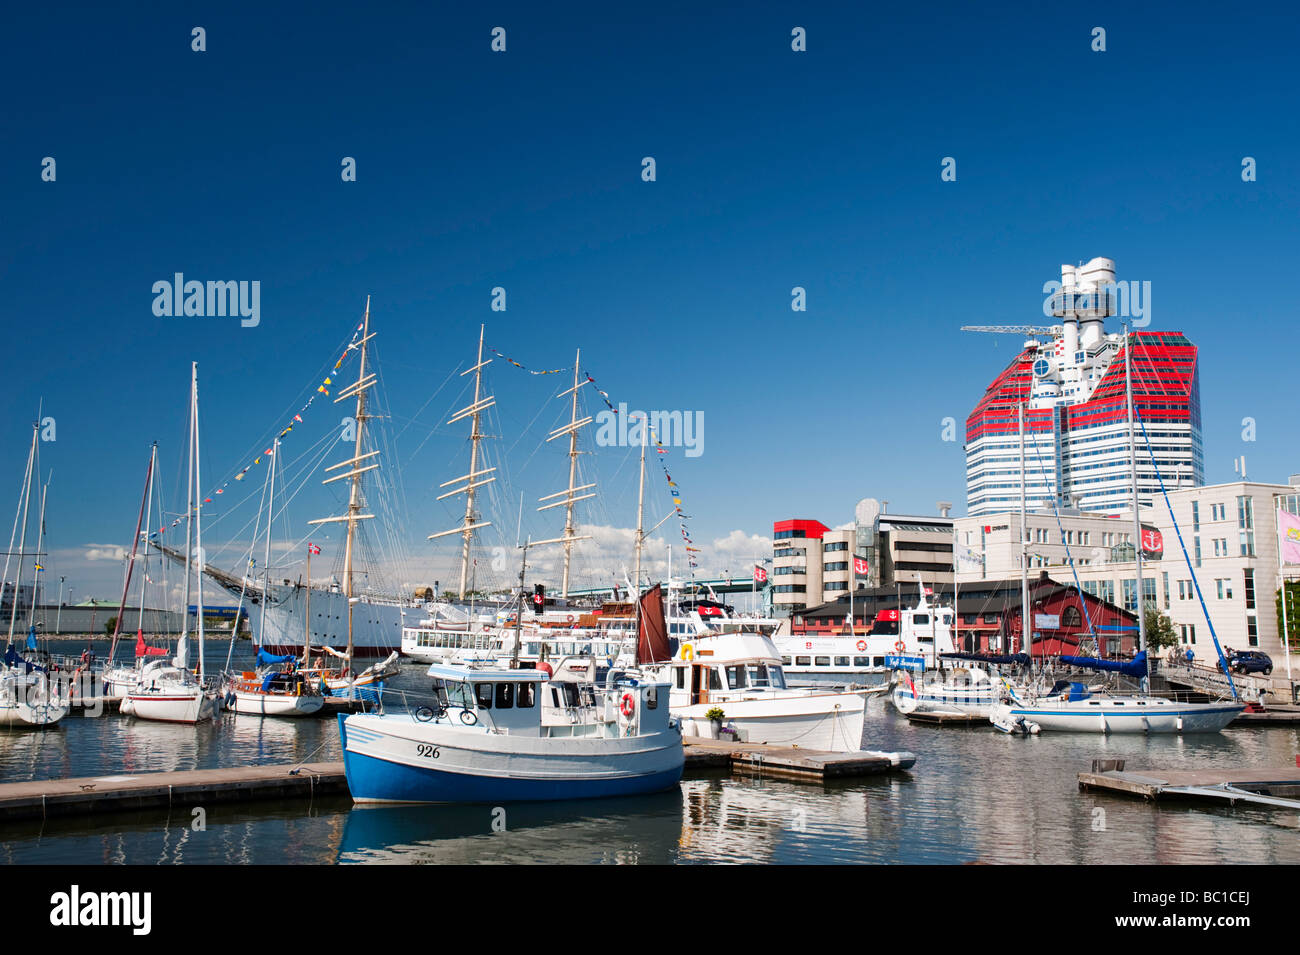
[1025,643]
[640,512]
[198,526]
[130,566]
[183,646]
[266,563]
[22,541]
[1132,464]
[40,542]
[148,517]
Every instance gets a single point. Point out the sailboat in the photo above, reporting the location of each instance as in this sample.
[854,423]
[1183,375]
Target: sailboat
[29,695]
[120,678]
[167,690]
[275,687]
[1069,706]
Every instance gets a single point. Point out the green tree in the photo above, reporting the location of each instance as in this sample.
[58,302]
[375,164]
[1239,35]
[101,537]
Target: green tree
[109,626]
[1160,631]
[1292,611]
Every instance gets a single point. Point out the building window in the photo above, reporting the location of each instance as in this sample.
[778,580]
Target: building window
[1250,588]
[1246,513]
[1196,516]
[1247,541]
[1165,580]
[1197,542]
[1252,630]
[1130,594]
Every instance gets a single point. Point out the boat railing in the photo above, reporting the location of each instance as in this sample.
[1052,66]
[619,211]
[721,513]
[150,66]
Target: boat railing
[426,707]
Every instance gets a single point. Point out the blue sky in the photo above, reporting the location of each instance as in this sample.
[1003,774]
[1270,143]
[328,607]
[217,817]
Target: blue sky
[522,170]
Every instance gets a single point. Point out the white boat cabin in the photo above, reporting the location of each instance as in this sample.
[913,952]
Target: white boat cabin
[527,703]
[725,666]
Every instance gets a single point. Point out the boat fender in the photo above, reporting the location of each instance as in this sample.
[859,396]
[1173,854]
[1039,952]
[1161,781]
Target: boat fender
[628,706]
[545,667]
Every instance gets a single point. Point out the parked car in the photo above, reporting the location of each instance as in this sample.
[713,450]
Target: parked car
[1250,661]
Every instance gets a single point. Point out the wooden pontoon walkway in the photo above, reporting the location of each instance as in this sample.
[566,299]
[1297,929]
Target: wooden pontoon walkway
[44,799]
[1266,785]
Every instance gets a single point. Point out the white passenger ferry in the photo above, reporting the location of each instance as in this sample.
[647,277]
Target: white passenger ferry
[923,631]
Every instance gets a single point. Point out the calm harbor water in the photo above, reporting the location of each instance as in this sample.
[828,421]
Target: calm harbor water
[974,795]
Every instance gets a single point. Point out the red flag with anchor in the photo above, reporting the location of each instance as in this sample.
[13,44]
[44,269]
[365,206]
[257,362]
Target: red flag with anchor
[760,574]
[860,566]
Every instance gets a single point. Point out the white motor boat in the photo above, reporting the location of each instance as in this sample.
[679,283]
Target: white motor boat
[741,675]
[484,739]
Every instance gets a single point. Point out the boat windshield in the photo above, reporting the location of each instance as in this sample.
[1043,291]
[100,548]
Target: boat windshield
[762,675]
[453,693]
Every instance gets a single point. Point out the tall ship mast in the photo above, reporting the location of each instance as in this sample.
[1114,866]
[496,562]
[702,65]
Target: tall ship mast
[348,612]
[357,467]
[570,495]
[474,412]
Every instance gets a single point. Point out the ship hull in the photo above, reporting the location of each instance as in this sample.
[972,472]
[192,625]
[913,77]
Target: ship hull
[376,626]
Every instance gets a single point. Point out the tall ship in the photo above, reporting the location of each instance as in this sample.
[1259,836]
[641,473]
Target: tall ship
[345,614]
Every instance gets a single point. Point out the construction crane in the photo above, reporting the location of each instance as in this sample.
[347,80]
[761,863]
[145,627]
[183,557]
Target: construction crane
[1009,329]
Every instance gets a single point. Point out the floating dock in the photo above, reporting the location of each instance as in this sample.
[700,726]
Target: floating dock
[44,799]
[1269,786]
[1283,715]
[790,762]
[949,719]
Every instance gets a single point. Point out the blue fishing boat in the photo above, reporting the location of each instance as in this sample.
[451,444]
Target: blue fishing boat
[499,735]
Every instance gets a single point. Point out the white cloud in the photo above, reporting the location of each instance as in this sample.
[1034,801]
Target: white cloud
[105,552]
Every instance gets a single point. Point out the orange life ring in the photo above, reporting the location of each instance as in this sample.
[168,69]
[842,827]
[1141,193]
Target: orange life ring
[628,706]
[862,645]
[899,646]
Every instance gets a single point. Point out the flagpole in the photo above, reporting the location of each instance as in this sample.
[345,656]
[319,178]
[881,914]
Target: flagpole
[306,636]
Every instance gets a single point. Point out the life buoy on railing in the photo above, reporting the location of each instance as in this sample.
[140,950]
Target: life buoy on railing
[862,645]
[628,706]
[688,652]
[899,646]
[570,618]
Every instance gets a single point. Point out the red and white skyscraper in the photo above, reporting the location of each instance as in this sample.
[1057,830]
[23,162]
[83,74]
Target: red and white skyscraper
[1076,413]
